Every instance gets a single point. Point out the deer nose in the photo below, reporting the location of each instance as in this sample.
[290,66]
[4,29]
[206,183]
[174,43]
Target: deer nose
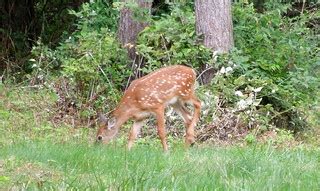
[99,138]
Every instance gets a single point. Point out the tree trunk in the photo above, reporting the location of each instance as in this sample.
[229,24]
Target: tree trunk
[214,26]
[129,27]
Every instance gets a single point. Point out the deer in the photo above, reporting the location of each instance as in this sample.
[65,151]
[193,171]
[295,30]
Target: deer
[149,96]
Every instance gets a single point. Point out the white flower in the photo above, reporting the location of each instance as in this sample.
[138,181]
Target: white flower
[257,102]
[223,70]
[228,69]
[238,93]
[245,103]
[257,89]
[242,104]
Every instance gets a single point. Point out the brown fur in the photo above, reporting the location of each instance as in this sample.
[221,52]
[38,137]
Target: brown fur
[150,95]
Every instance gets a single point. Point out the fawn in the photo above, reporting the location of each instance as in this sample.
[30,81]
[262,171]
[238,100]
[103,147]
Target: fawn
[150,95]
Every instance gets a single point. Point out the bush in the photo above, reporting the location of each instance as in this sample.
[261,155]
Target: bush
[283,52]
[94,58]
[269,79]
[91,61]
[171,39]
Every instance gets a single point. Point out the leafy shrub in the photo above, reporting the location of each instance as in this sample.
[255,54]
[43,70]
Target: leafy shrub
[91,57]
[91,61]
[281,51]
[232,102]
[89,52]
[171,39]
[96,16]
[95,58]
[268,79]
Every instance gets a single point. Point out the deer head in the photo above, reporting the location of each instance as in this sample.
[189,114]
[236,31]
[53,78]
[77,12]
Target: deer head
[107,129]
[150,95]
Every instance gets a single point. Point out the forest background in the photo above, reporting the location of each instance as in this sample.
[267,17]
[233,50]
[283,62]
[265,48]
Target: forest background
[64,62]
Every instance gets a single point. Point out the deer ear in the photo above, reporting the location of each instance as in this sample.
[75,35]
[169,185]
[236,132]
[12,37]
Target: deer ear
[111,123]
[102,119]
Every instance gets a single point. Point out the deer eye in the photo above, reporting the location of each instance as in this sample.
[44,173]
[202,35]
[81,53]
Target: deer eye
[99,137]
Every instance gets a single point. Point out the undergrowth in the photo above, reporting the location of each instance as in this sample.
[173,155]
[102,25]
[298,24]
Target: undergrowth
[267,84]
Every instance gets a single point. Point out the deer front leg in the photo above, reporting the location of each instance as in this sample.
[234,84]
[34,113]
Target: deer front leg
[190,140]
[135,130]
[161,128]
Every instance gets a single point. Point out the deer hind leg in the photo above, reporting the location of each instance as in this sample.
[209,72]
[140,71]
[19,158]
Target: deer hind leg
[135,130]
[190,140]
[181,109]
[159,113]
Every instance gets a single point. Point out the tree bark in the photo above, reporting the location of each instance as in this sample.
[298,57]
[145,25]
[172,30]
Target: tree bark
[214,23]
[129,27]
[214,26]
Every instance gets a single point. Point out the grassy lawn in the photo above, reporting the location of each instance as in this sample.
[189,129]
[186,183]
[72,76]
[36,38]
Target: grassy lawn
[34,155]
[75,165]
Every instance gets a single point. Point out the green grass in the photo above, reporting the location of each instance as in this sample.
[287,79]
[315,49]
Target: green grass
[48,165]
[34,155]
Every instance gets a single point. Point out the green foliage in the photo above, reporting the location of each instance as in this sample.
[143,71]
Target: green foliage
[92,42]
[262,36]
[250,138]
[91,58]
[282,53]
[284,136]
[94,57]
[270,78]
[96,16]
[172,40]
[44,65]
[273,68]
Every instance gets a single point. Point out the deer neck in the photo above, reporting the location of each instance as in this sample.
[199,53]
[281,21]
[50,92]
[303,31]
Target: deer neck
[121,115]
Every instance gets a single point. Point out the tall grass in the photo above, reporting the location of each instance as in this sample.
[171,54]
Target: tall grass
[46,165]
[34,155]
